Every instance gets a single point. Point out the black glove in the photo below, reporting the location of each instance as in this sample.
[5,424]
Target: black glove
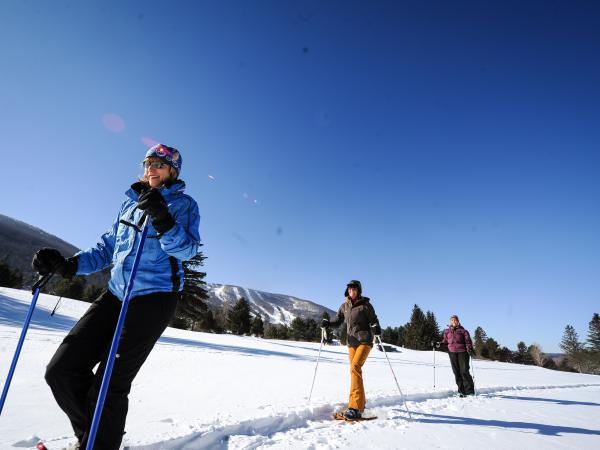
[49,260]
[155,205]
[471,352]
[436,344]
[325,323]
[376,329]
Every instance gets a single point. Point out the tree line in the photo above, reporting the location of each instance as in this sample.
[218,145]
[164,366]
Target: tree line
[584,357]
[419,333]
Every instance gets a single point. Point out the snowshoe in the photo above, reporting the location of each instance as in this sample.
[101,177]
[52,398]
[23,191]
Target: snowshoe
[351,417]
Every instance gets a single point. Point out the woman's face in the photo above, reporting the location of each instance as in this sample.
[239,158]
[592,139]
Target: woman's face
[454,322]
[353,293]
[156,172]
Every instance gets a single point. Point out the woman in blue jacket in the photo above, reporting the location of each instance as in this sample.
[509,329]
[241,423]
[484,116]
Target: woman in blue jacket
[173,237]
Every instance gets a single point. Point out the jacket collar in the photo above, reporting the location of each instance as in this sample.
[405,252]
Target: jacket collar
[167,191]
[360,301]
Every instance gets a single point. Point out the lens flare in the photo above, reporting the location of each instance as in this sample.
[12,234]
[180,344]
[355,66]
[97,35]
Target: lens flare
[113,123]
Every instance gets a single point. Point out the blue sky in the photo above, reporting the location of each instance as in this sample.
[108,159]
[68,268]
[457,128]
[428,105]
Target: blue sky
[444,153]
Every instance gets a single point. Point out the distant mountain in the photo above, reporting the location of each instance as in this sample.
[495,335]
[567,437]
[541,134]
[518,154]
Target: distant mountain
[276,308]
[19,241]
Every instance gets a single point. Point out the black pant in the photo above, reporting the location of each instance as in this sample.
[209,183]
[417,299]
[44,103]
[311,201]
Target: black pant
[70,371]
[460,367]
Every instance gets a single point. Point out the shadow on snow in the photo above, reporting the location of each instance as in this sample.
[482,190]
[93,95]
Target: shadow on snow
[540,428]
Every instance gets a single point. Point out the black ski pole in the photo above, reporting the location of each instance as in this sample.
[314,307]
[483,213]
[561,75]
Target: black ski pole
[35,290]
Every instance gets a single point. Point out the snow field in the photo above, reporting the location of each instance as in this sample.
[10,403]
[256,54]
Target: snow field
[205,391]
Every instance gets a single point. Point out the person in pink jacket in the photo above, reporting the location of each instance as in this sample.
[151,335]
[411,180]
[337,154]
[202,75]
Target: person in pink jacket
[459,347]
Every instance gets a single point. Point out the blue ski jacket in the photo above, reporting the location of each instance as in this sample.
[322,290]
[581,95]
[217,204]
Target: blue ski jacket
[160,268]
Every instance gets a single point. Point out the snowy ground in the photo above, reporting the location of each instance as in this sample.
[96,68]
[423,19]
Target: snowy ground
[204,391]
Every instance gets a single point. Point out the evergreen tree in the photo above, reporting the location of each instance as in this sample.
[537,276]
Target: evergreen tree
[479,339]
[522,356]
[257,328]
[505,354]
[431,330]
[208,322]
[415,330]
[73,288]
[492,347]
[390,335]
[192,311]
[594,333]
[298,329]
[401,342]
[277,331]
[570,341]
[238,318]
[313,330]
[10,277]
[575,353]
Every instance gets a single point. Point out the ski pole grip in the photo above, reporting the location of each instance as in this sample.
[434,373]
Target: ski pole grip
[41,282]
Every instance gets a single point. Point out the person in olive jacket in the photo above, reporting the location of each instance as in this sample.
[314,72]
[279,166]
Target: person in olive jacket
[362,325]
[460,346]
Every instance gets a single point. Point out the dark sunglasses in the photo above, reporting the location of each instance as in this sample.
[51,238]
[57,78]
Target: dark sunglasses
[154,164]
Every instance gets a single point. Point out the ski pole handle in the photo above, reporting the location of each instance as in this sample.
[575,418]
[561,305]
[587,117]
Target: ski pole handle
[41,282]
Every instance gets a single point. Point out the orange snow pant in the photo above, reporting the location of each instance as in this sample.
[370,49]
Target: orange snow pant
[358,356]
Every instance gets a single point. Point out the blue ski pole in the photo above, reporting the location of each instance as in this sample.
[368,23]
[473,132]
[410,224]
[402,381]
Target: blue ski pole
[115,342]
[35,290]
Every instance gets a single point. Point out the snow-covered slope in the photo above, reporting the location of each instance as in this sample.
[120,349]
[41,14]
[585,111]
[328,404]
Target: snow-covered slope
[277,308]
[204,391]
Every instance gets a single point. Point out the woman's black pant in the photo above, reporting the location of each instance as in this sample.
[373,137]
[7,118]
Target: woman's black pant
[70,372]
[460,367]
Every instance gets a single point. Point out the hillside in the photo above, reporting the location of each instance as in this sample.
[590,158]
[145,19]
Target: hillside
[19,241]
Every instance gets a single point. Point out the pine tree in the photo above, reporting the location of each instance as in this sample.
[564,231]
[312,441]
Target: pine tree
[401,342]
[257,328]
[238,318]
[390,336]
[70,288]
[192,312]
[522,356]
[479,339]
[298,329]
[313,330]
[575,353]
[415,330]
[10,277]
[431,330]
[492,347]
[505,354]
[594,333]
[570,341]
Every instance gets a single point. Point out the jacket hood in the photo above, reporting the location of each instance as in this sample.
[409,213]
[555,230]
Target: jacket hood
[356,284]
